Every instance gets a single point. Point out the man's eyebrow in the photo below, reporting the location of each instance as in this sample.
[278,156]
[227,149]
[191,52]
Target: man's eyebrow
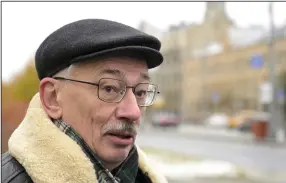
[114,72]
[145,76]
[117,72]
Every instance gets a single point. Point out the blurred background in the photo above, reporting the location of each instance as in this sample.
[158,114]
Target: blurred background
[221,113]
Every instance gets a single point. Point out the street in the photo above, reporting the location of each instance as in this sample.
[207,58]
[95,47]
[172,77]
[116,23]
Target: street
[267,161]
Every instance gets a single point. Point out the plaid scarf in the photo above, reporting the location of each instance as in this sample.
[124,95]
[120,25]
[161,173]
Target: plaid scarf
[125,173]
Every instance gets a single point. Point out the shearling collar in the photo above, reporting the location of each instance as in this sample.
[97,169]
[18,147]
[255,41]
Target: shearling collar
[50,156]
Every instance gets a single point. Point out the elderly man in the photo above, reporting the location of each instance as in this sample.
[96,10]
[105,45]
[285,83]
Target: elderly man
[82,125]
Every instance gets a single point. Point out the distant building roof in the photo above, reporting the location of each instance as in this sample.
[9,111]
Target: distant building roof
[181,25]
[279,33]
[253,35]
[242,37]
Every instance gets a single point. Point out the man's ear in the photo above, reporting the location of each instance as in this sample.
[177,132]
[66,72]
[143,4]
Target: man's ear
[49,91]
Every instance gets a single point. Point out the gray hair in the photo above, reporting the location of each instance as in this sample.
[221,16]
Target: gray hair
[66,72]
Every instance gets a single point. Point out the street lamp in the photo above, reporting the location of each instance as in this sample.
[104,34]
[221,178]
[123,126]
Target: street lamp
[275,114]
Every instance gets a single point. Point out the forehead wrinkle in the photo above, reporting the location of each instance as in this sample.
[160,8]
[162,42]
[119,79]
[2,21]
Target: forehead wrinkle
[117,72]
[99,68]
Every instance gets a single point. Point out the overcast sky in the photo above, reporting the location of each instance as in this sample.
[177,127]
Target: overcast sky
[26,24]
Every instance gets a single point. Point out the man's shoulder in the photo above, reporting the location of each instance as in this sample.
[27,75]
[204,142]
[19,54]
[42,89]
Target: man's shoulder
[13,171]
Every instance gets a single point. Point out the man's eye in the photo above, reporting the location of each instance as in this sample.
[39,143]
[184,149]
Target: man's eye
[141,93]
[110,89]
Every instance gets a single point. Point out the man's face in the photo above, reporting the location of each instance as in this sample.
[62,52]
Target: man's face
[94,119]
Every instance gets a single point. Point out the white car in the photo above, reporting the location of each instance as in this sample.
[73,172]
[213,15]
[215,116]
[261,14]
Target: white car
[217,120]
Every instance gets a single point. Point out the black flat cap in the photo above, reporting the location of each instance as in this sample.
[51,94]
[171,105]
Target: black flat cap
[91,38]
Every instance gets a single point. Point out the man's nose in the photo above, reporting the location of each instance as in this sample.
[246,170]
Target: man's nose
[128,107]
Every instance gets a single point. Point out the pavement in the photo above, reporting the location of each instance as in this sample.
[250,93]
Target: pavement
[217,180]
[218,134]
[263,162]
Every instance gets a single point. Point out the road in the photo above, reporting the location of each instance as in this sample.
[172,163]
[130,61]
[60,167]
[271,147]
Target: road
[258,158]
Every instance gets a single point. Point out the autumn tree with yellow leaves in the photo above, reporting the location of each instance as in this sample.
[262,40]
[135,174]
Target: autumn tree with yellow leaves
[16,95]
[26,84]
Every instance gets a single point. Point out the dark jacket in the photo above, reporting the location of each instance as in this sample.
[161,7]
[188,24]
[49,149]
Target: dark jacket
[12,171]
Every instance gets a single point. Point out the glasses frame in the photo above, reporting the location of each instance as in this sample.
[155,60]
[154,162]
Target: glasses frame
[97,84]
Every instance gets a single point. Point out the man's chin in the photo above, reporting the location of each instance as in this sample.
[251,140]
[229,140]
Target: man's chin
[114,150]
[114,156]
[121,151]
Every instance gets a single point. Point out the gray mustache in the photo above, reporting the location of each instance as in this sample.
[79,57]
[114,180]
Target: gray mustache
[120,127]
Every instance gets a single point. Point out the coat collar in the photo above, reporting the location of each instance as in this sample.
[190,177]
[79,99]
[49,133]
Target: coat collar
[50,156]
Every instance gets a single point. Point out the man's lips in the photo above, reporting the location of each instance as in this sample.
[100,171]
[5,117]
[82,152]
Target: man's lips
[121,138]
[122,134]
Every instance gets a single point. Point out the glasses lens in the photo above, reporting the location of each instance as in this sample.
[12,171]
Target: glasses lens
[145,94]
[111,90]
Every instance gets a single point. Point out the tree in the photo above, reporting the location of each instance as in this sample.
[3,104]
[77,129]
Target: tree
[26,84]
[6,93]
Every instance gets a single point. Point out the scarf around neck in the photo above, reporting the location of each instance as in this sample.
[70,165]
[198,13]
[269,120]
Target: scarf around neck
[126,172]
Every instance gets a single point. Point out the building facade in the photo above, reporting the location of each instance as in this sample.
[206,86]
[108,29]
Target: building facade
[228,81]
[207,66]
[180,44]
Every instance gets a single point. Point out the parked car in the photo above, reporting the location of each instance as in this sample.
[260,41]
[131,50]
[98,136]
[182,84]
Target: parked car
[217,120]
[166,118]
[242,120]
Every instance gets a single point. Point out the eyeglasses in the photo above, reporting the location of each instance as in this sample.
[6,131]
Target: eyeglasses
[113,90]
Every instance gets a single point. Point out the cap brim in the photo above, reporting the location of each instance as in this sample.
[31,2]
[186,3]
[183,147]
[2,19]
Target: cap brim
[153,57]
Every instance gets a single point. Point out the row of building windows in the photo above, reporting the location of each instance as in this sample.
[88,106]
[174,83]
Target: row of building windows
[244,63]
